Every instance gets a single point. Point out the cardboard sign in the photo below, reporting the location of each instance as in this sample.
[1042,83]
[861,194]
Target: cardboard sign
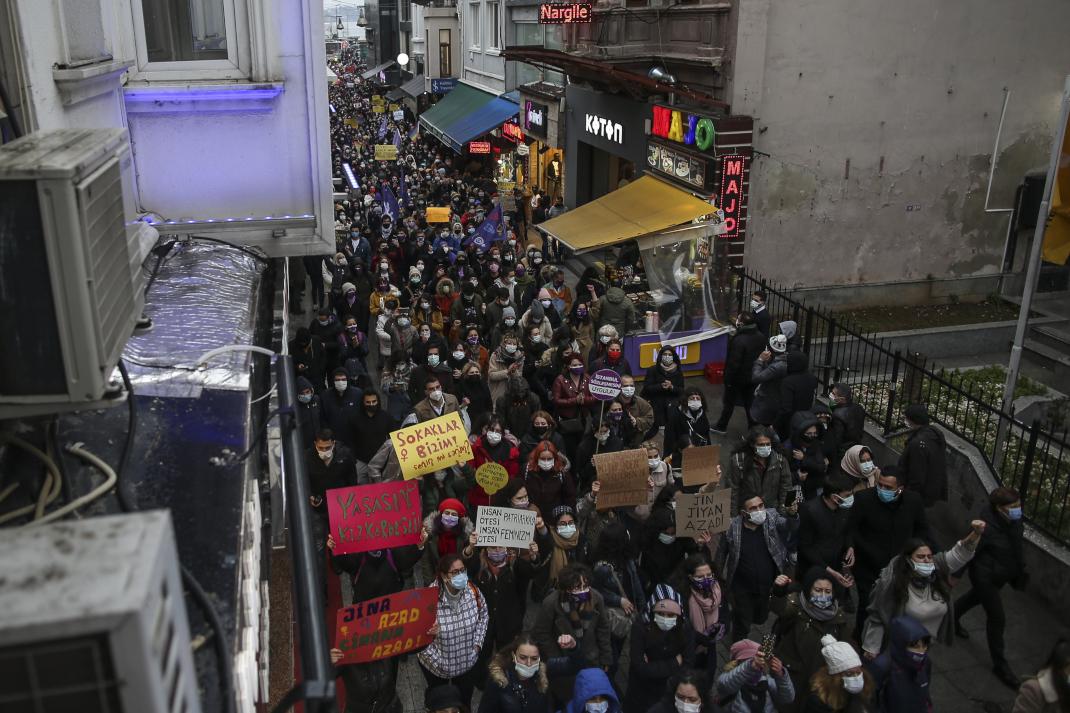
[703,512]
[623,478]
[436,214]
[700,464]
[386,152]
[374,517]
[492,477]
[432,445]
[398,115]
[604,384]
[389,626]
[505,527]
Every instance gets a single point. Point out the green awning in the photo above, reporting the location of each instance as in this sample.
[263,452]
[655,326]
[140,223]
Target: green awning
[464,114]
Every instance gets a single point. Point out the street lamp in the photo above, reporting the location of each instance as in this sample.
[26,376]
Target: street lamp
[403,59]
[340,26]
[361,20]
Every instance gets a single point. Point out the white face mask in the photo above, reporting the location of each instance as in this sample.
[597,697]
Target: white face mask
[854,684]
[494,438]
[546,464]
[654,463]
[604,338]
[763,451]
[867,467]
[665,623]
[685,707]
[566,531]
[458,355]
[510,349]
[925,569]
[526,671]
[665,538]
[755,304]
[340,386]
[436,395]
[695,405]
[545,304]
[628,391]
[521,504]
[326,455]
[432,359]
[536,338]
[757,517]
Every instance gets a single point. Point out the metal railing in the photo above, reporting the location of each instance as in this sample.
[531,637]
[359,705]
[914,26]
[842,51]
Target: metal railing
[885,379]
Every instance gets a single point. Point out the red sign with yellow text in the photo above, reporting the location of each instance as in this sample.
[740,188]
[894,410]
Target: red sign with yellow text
[389,626]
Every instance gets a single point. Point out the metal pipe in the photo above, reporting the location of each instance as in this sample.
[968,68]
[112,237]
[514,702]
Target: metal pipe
[316,669]
[1032,276]
[995,156]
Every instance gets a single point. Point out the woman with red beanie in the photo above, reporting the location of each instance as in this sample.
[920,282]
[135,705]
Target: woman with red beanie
[447,533]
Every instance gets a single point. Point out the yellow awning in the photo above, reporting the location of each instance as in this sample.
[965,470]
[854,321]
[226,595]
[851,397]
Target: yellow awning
[640,208]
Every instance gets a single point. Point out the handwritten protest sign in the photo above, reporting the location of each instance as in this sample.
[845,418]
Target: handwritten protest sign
[703,512]
[604,384]
[350,122]
[388,626]
[492,477]
[623,478]
[374,517]
[386,152]
[431,445]
[437,214]
[398,115]
[700,464]
[505,527]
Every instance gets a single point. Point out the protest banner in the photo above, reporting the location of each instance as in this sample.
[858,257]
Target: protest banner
[386,152]
[436,214]
[398,115]
[350,122]
[700,464]
[394,107]
[432,445]
[378,108]
[604,384]
[505,527]
[374,517]
[623,478]
[703,512]
[388,626]
[492,477]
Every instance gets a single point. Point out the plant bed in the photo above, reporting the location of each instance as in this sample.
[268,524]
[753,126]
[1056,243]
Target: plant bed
[904,317]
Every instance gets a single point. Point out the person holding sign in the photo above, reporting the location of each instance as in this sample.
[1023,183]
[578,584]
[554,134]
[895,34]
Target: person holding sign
[494,446]
[459,631]
[548,480]
[688,425]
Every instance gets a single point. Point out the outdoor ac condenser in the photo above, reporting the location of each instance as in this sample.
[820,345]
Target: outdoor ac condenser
[92,618]
[71,287]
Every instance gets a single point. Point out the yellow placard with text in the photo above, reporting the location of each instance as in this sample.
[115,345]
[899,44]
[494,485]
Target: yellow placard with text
[386,152]
[394,107]
[378,108]
[351,122]
[437,214]
[431,445]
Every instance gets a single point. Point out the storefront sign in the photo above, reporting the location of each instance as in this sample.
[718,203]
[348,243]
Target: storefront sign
[377,629]
[479,147]
[535,118]
[512,131]
[684,128]
[443,86]
[603,128]
[692,170]
[523,150]
[733,169]
[565,13]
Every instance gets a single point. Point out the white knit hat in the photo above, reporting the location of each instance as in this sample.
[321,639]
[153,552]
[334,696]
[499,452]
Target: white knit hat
[778,343]
[839,655]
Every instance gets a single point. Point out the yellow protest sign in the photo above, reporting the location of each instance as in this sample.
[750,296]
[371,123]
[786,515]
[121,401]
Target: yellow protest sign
[431,445]
[437,214]
[394,107]
[492,477]
[351,122]
[378,108]
[386,152]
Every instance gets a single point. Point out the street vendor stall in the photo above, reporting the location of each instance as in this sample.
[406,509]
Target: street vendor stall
[654,240]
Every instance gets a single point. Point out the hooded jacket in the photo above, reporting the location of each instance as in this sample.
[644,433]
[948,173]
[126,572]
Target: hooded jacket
[506,693]
[767,376]
[743,349]
[923,464]
[308,415]
[615,309]
[902,685]
[592,682]
[799,387]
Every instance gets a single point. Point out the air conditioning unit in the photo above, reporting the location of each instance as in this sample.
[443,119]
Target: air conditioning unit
[71,285]
[92,618]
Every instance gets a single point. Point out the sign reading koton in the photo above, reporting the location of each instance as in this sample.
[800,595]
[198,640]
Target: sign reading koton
[604,384]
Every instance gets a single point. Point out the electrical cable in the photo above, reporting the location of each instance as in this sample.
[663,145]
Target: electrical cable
[262,258]
[52,433]
[77,449]
[49,490]
[127,503]
[256,439]
[269,393]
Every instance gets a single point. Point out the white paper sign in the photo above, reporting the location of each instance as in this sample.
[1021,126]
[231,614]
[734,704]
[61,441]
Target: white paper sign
[399,115]
[505,527]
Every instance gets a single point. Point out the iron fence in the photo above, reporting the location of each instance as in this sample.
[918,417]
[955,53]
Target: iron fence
[885,379]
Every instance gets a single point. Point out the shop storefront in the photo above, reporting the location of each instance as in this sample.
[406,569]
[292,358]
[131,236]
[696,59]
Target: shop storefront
[543,165]
[605,144]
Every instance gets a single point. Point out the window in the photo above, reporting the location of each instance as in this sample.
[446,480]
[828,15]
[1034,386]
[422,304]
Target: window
[473,25]
[199,39]
[406,10]
[445,53]
[494,40]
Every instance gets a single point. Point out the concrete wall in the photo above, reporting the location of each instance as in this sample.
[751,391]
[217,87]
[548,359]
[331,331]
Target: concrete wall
[970,481]
[435,19]
[875,123]
[482,65]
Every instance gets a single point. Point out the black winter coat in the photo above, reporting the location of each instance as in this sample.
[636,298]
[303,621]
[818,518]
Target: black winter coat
[373,431]
[999,557]
[922,465]
[879,530]
[743,348]
[506,597]
[339,473]
[506,693]
[653,661]
[338,409]
[375,577]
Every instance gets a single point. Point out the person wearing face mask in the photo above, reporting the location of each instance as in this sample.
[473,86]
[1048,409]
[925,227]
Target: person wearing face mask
[917,582]
[445,295]
[687,425]
[752,684]
[326,327]
[858,464]
[502,575]
[547,478]
[308,411]
[743,348]
[758,467]
[750,556]
[543,427]
[505,362]
[494,314]
[473,346]
[805,458]
[427,334]
[572,631]
[841,684]
[707,610]
[339,404]
[459,632]
[403,337]
[637,411]
[604,335]
[448,528]
[559,292]
[436,402]
[661,644]
[613,359]
[881,521]
[1049,690]
[582,326]
[687,692]
[798,390]
[506,324]
[330,465]
[903,673]
[353,348]
[472,391]
[761,315]
[433,366]
[442,485]
[824,541]
[536,317]
[353,299]
[517,680]
[493,446]
[999,561]
[426,313]
[373,424]
[767,373]
[517,406]
[663,385]
[923,461]
[470,303]
[803,618]
[663,553]
[384,326]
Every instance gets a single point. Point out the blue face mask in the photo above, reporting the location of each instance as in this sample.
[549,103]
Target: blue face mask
[1014,514]
[887,496]
[459,580]
[821,601]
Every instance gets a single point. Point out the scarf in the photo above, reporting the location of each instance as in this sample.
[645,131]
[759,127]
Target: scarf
[447,538]
[816,613]
[559,555]
[704,611]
